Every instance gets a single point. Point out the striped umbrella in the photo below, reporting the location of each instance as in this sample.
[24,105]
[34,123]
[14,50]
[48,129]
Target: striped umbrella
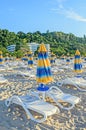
[77,63]
[43,75]
[7,58]
[67,61]
[1,57]
[52,58]
[30,61]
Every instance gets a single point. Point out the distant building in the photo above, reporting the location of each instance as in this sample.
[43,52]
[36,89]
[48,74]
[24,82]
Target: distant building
[11,48]
[33,46]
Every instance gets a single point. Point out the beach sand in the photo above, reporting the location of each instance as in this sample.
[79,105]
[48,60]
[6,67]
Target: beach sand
[14,117]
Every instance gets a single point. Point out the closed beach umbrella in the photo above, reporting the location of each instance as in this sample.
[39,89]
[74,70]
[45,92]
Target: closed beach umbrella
[30,60]
[77,63]
[52,58]
[7,58]
[67,61]
[43,75]
[1,57]
[62,57]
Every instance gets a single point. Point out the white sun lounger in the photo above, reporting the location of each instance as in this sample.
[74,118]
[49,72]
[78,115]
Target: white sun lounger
[26,73]
[2,79]
[78,82]
[34,103]
[2,68]
[56,94]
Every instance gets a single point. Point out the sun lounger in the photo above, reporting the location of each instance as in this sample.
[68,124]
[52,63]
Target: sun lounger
[2,79]
[35,104]
[78,82]
[26,74]
[59,98]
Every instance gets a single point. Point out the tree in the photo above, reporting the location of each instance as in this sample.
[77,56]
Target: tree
[19,54]
[18,46]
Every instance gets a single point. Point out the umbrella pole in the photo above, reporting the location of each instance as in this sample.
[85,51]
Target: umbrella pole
[43,95]
[42,89]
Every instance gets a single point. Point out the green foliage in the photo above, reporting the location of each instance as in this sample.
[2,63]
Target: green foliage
[19,54]
[4,50]
[60,43]
[18,46]
[36,52]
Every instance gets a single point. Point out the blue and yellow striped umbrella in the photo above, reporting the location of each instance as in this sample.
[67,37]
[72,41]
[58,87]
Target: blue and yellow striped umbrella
[1,57]
[30,60]
[77,62]
[52,58]
[67,61]
[43,75]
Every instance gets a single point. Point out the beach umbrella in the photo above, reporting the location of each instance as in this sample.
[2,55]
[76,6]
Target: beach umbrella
[1,57]
[67,61]
[43,66]
[62,57]
[7,58]
[52,58]
[85,59]
[77,63]
[43,75]
[30,59]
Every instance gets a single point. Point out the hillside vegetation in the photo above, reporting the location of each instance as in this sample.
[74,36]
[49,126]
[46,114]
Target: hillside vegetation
[60,42]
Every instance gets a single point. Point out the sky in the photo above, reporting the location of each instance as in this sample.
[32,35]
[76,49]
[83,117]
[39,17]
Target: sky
[68,16]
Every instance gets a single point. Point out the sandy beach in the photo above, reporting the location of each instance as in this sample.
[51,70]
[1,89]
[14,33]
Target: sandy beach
[14,117]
